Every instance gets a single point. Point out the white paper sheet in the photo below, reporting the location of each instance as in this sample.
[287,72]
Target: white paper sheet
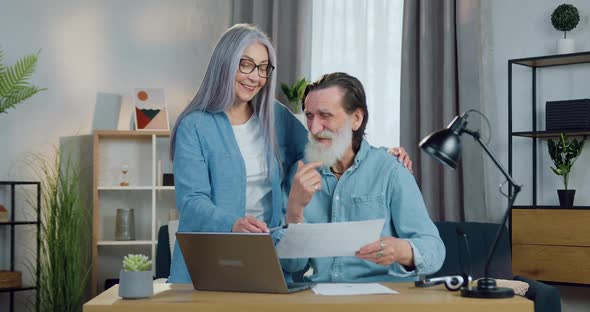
[348,289]
[340,239]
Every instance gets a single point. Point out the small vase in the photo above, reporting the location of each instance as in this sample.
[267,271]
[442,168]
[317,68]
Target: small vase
[565,46]
[125,225]
[566,198]
[135,285]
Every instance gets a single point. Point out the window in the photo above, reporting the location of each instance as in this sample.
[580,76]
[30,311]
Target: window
[363,39]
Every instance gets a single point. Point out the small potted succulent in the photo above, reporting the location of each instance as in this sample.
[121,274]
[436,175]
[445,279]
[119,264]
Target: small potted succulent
[565,18]
[564,153]
[136,280]
[294,94]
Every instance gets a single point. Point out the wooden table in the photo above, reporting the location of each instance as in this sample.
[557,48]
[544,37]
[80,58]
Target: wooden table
[173,298]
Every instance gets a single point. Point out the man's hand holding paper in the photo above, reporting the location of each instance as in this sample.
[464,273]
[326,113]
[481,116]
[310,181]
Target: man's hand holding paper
[315,240]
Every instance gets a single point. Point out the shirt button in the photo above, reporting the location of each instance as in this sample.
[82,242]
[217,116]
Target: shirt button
[337,197]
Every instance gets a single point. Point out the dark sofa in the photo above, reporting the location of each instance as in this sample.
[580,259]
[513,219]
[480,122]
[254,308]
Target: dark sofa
[480,237]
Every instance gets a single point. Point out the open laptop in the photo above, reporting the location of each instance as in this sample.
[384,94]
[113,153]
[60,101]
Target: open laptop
[241,262]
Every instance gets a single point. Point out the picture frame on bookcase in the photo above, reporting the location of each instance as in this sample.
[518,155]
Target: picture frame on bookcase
[151,112]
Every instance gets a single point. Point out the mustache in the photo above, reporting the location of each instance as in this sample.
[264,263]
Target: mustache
[325,134]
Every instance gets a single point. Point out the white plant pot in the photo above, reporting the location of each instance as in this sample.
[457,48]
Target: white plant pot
[565,46]
[134,285]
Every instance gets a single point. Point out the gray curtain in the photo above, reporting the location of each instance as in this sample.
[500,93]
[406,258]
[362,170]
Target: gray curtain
[288,24]
[440,79]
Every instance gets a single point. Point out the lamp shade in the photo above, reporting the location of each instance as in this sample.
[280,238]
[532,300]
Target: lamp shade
[444,145]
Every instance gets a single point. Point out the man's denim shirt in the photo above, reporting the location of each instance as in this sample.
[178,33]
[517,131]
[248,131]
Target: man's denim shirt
[210,175]
[376,186]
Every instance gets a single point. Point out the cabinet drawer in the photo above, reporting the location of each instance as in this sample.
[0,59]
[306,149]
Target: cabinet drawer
[552,263]
[551,227]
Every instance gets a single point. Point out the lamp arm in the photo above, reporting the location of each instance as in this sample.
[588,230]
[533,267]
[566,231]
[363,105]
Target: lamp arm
[485,147]
[515,188]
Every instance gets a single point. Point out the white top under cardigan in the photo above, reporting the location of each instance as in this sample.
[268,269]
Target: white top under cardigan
[258,187]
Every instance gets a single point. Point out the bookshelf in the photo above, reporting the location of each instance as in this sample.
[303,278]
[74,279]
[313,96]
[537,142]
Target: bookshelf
[140,152]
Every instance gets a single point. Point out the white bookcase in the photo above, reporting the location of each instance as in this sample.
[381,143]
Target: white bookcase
[141,151]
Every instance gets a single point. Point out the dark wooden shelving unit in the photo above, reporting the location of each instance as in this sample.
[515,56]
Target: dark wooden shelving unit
[12,224]
[535,134]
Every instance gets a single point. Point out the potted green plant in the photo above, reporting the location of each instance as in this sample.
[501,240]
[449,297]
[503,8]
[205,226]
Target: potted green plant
[64,259]
[136,279]
[14,87]
[564,152]
[565,18]
[294,94]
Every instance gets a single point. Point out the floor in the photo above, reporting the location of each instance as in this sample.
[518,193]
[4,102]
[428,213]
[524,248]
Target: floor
[575,298]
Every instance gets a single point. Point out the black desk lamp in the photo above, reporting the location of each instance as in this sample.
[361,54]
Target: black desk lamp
[445,146]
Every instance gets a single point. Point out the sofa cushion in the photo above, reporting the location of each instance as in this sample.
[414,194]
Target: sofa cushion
[480,237]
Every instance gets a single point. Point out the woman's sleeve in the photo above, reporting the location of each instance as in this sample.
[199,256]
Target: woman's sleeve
[292,136]
[193,190]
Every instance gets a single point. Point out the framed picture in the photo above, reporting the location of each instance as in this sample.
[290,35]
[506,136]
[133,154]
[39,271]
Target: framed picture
[151,112]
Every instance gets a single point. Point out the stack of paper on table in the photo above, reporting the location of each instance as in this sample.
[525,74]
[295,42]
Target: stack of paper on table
[347,289]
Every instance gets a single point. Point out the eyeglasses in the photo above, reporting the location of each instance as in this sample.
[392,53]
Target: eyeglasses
[247,67]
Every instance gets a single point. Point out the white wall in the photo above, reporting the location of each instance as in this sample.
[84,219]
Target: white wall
[96,47]
[516,29]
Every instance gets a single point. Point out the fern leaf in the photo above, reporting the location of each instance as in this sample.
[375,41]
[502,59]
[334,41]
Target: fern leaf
[17,75]
[19,95]
[1,61]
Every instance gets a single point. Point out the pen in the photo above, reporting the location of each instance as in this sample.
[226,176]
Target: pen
[278,228]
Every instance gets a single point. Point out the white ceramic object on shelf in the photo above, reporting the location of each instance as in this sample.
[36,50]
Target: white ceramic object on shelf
[565,46]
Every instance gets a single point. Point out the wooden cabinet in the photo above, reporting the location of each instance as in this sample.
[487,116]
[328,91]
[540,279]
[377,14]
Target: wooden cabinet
[140,189]
[551,244]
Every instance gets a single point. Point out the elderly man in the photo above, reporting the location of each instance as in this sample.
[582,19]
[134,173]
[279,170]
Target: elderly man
[346,179]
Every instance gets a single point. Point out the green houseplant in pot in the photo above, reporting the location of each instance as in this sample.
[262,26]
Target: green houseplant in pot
[136,279]
[564,152]
[294,94]
[64,258]
[565,18]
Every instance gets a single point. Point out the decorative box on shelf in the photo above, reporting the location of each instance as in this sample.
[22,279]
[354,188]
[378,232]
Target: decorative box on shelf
[10,279]
[3,214]
[567,115]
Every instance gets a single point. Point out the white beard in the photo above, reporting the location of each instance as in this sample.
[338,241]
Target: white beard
[316,151]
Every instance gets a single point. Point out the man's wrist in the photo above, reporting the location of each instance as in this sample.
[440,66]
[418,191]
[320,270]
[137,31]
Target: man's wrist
[294,217]
[408,256]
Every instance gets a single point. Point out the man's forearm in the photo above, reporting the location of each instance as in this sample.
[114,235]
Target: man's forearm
[294,214]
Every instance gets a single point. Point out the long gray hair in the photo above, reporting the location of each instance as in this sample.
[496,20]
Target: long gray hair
[217,92]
